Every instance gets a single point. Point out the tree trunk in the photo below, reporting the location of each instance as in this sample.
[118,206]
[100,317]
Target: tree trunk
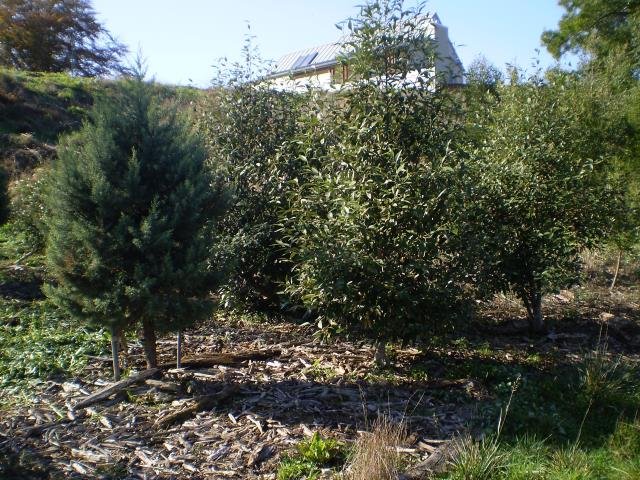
[536,320]
[380,355]
[149,341]
[617,271]
[114,353]
[179,350]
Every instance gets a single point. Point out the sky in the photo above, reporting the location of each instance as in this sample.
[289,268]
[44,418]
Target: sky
[182,40]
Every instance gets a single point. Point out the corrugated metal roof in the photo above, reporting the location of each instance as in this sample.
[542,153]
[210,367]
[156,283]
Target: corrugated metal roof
[326,55]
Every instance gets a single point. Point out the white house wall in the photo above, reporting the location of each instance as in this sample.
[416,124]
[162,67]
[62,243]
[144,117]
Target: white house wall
[322,81]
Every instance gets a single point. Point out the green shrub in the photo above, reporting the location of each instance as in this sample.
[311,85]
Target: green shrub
[368,221]
[245,124]
[538,189]
[29,209]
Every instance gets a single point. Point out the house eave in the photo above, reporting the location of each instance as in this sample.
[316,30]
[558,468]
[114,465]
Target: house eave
[303,71]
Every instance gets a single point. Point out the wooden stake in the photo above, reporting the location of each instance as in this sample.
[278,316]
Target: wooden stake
[615,274]
[179,350]
[114,353]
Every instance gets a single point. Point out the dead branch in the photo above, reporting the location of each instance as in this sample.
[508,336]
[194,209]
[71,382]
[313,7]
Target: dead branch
[116,387]
[206,402]
[225,359]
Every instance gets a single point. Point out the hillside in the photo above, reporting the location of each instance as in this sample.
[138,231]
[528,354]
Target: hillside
[36,108]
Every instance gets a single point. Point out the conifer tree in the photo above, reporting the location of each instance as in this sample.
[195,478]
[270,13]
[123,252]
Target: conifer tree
[132,211]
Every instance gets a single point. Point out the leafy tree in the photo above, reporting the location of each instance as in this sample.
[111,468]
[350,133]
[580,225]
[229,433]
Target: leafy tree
[597,27]
[481,72]
[369,224]
[537,191]
[608,32]
[132,210]
[4,196]
[56,36]
[245,123]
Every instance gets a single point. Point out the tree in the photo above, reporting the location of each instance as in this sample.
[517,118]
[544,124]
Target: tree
[245,123]
[132,213]
[368,225]
[608,32]
[538,192]
[595,26]
[56,36]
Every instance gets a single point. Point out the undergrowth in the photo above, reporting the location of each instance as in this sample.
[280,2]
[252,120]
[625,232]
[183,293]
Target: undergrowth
[575,420]
[38,343]
[312,455]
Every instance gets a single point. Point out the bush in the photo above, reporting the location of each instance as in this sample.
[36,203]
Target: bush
[538,190]
[368,221]
[29,209]
[245,124]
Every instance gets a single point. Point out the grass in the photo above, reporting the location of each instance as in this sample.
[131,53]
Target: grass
[571,420]
[375,455]
[529,458]
[39,107]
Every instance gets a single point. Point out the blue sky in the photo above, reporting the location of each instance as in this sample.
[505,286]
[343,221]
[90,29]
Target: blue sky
[181,40]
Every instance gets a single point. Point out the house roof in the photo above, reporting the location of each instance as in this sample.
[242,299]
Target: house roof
[309,59]
[318,57]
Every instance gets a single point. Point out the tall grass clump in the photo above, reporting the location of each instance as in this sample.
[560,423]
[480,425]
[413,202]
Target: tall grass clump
[375,454]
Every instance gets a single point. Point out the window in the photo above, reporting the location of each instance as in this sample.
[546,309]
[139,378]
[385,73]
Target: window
[304,60]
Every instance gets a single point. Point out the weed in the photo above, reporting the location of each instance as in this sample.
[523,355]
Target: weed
[312,455]
[295,468]
[321,451]
[320,372]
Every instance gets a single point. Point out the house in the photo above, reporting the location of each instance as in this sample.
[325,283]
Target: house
[320,66]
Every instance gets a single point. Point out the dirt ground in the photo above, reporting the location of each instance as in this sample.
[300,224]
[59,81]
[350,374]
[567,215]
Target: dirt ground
[309,387]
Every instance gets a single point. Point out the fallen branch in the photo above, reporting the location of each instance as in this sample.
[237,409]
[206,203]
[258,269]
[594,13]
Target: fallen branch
[434,464]
[164,386]
[206,402]
[226,359]
[116,388]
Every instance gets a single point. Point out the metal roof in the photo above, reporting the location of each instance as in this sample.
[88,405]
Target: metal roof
[325,55]
[321,56]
